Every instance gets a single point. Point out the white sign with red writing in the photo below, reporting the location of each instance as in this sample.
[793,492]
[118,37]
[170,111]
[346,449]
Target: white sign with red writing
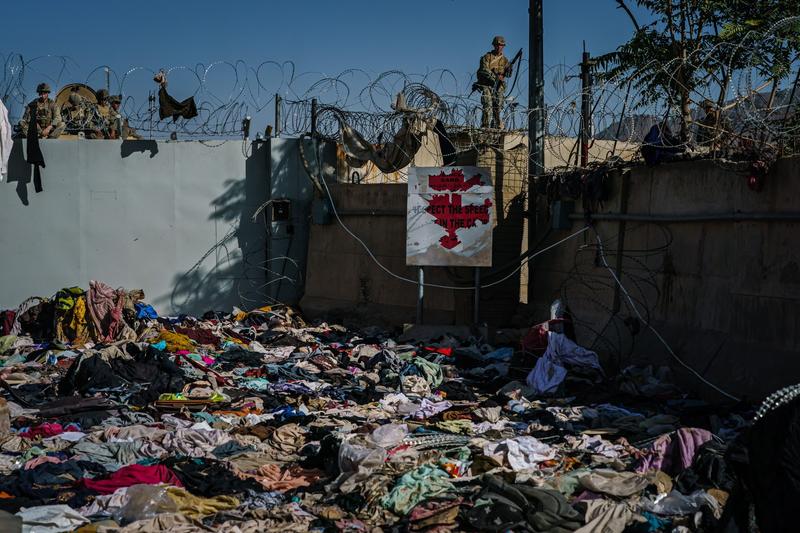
[450,216]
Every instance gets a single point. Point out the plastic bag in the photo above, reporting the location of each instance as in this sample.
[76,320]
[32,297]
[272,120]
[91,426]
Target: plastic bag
[389,435]
[353,454]
[144,502]
[677,504]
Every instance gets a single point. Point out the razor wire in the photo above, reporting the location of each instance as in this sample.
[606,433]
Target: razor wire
[759,113]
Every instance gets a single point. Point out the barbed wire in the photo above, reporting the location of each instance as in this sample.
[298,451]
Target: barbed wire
[759,113]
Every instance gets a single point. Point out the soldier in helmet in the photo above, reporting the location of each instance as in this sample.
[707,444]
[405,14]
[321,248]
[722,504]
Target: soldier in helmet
[43,111]
[103,107]
[80,115]
[117,126]
[114,122]
[492,73]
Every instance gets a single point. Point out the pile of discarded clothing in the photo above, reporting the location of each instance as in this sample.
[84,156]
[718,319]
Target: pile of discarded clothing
[121,420]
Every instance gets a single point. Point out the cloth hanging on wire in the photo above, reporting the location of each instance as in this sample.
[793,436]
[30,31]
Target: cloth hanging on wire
[170,107]
[447,147]
[35,156]
[390,157]
[5,140]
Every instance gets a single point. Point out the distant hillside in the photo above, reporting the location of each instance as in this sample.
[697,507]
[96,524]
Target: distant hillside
[635,127]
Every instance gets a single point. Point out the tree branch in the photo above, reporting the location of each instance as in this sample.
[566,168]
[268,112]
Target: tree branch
[621,4]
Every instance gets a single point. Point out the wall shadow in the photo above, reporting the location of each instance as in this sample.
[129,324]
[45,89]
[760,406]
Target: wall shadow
[233,271]
[19,171]
[288,232]
[499,303]
[129,147]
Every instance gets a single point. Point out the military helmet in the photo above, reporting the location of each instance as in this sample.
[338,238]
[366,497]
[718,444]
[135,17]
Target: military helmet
[75,99]
[102,94]
[43,88]
[498,39]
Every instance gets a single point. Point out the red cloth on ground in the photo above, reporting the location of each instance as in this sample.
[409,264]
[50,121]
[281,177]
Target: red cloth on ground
[203,336]
[536,339]
[45,430]
[444,351]
[7,322]
[132,475]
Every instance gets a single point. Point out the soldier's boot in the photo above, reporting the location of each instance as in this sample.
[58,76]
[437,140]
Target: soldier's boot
[486,105]
[57,131]
[497,122]
[485,119]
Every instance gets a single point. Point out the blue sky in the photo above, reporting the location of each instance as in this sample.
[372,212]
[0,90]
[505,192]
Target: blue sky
[411,35]
[321,38]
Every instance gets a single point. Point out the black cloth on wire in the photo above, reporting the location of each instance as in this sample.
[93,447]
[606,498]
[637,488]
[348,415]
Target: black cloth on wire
[170,107]
[35,156]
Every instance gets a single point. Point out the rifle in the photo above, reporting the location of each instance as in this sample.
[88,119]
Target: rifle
[507,71]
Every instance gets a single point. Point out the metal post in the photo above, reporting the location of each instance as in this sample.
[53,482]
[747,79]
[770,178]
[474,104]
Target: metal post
[314,117]
[421,296]
[535,120]
[476,306]
[108,80]
[277,115]
[586,106]
[151,104]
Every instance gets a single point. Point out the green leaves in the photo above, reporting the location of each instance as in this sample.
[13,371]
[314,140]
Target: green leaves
[696,47]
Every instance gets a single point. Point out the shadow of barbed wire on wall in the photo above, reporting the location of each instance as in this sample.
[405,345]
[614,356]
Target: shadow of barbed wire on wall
[290,183]
[233,272]
[604,319]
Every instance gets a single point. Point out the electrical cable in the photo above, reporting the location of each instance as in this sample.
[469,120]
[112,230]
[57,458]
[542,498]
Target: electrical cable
[650,326]
[581,288]
[436,285]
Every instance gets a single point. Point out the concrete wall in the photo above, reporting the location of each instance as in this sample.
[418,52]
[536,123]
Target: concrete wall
[725,294]
[343,281]
[291,183]
[342,277]
[176,219]
[172,218]
[361,285]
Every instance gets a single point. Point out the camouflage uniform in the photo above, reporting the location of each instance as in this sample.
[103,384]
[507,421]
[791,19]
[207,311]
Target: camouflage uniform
[46,115]
[103,108]
[81,115]
[492,89]
[118,126]
[115,124]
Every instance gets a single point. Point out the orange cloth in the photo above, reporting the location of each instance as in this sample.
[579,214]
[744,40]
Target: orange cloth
[272,478]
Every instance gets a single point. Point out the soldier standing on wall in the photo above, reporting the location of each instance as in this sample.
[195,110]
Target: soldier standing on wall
[492,73]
